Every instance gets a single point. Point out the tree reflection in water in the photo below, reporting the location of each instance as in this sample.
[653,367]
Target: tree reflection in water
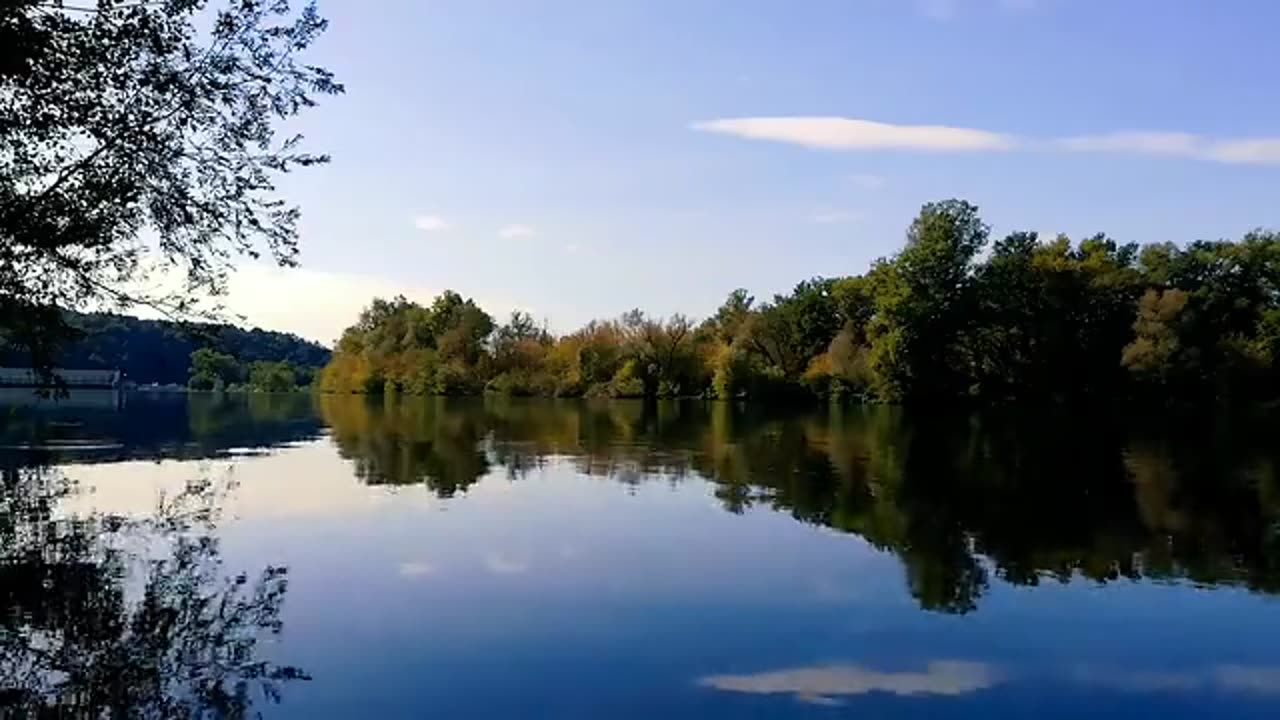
[128,617]
[1024,497]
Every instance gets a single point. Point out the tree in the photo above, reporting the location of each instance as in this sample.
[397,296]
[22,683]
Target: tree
[729,319]
[855,304]
[1037,320]
[272,377]
[212,370]
[519,349]
[401,345]
[660,352]
[124,121]
[159,351]
[924,304]
[788,332]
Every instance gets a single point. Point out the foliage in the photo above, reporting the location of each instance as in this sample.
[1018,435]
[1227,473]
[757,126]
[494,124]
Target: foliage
[267,376]
[402,346]
[159,351]
[212,370]
[126,121]
[1032,320]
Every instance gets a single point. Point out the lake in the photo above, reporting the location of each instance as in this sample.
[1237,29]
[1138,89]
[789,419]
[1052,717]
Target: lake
[503,558]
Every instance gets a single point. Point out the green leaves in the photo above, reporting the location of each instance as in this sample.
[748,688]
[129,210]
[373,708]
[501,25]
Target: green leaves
[124,118]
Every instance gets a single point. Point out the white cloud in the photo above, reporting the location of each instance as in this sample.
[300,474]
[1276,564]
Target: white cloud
[1247,679]
[430,223]
[500,564]
[416,569]
[516,231]
[1241,151]
[853,134]
[1148,143]
[820,683]
[867,181]
[841,133]
[832,217]
[1262,680]
[1258,151]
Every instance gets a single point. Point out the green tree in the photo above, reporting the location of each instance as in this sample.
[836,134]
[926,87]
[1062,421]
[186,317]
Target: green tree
[1153,352]
[401,345]
[924,305]
[727,323]
[212,370]
[118,118]
[788,332]
[272,377]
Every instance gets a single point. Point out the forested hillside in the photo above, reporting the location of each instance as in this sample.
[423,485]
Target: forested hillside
[159,351]
[950,317]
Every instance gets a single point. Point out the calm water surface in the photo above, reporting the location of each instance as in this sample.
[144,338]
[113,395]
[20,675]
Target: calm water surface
[332,557]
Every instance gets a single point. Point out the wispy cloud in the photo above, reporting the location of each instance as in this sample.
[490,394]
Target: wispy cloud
[832,217]
[416,569]
[841,133]
[1245,679]
[1147,143]
[854,134]
[430,223]
[822,684]
[1242,151]
[1257,151]
[516,231]
[500,564]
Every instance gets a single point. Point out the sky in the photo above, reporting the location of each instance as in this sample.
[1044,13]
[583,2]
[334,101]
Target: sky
[578,159]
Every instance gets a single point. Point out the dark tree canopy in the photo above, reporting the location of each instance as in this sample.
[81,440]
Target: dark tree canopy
[159,351]
[136,136]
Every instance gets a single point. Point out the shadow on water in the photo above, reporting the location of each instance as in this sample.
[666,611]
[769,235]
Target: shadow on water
[1023,498]
[158,425]
[104,616]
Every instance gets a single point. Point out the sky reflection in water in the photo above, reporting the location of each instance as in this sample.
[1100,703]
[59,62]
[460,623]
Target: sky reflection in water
[538,559]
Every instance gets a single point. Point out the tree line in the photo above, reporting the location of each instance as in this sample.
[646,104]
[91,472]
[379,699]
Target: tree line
[161,351]
[951,317]
[214,371]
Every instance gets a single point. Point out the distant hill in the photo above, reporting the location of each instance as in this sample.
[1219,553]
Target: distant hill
[159,351]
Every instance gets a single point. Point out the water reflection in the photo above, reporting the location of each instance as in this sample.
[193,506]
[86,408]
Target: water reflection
[480,558]
[1260,680]
[128,617]
[823,685]
[160,425]
[959,499]
[834,684]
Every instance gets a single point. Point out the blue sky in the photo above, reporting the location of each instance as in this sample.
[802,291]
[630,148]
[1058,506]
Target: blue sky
[577,159]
